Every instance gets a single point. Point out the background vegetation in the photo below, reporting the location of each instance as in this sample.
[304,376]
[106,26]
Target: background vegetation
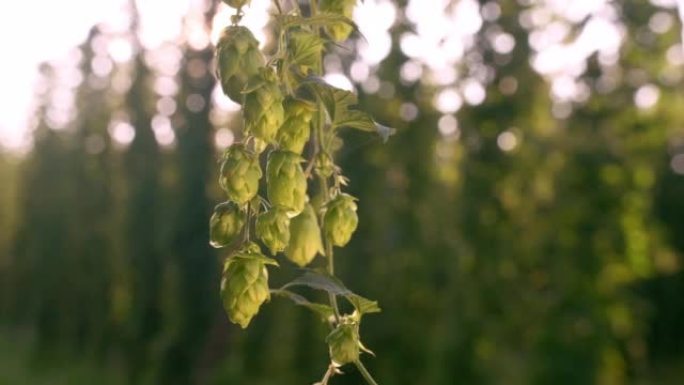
[537,241]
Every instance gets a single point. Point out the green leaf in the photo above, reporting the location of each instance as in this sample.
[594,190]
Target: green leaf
[341,104]
[319,281]
[334,286]
[253,257]
[304,48]
[363,305]
[322,310]
[323,19]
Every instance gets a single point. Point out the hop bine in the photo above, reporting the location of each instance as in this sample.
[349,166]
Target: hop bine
[240,174]
[239,59]
[289,111]
[244,286]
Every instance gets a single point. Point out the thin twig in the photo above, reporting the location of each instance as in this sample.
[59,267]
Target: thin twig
[328,375]
[277,4]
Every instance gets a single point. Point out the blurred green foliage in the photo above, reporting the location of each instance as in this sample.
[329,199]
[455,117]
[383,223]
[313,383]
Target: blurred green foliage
[557,262]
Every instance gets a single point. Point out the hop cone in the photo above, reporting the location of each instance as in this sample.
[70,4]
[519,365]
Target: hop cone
[295,132]
[286,181]
[226,223]
[263,112]
[339,31]
[273,228]
[305,238]
[238,57]
[240,174]
[340,219]
[237,3]
[344,344]
[244,285]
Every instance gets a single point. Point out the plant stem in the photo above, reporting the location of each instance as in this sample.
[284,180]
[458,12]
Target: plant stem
[329,248]
[328,375]
[364,372]
[318,137]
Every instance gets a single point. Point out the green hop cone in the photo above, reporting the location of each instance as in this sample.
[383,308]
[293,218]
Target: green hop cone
[240,174]
[305,238]
[286,181]
[226,224]
[263,112]
[339,31]
[344,344]
[340,220]
[244,285]
[296,130]
[273,228]
[237,3]
[238,58]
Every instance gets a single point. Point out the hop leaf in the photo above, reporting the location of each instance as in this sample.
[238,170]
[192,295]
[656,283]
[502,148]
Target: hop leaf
[263,112]
[286,181]
[340,219]
[339,31]
[305,238]
[237,3]
[296,130]
[344,344]
[244,285]
[226,224]
[238,58]
[273,228]
[240,174]
[304,51]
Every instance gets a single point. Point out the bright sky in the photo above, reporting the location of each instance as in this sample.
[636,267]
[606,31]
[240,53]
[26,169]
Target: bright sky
[35,31]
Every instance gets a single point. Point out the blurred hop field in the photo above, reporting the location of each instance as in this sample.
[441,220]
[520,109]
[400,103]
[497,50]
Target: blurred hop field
[525,225]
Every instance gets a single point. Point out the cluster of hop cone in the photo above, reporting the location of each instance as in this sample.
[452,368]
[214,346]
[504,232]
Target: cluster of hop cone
[277,127]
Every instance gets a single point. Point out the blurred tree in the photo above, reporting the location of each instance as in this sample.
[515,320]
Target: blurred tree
[194,261]
[142,235]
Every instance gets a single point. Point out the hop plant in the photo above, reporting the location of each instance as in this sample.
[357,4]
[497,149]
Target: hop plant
[240,174]
[263,112]
[339,31]
[305,238]
[344,344]
[237,3]
[244,286]
[287,109]
[286,181]
[238,58]
[340,219]
[273,229]
[296,130]
[226,224]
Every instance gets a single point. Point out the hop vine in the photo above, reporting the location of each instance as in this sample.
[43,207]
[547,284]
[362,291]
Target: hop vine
[297,207]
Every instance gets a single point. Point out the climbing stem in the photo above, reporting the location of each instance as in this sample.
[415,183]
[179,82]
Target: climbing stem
[364,372]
